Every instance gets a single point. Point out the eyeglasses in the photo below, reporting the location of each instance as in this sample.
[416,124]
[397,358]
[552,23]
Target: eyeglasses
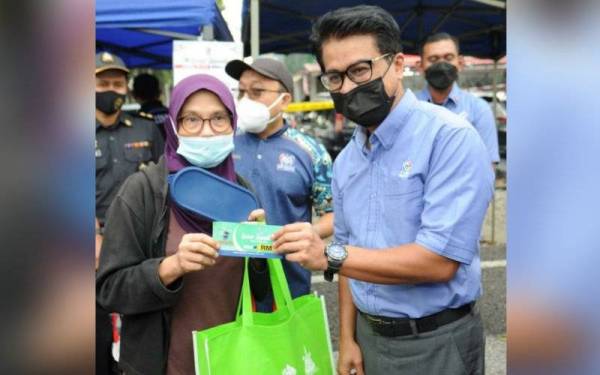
[359,72]
[254,93]
[219,123]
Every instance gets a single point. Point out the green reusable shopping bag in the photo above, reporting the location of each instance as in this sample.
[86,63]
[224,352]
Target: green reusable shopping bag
[293,340]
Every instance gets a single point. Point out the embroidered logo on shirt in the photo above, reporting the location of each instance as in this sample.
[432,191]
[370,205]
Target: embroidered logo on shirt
[286,162]
[406,169]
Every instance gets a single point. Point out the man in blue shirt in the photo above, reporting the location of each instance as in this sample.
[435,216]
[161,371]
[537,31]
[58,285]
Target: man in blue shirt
[290,171]
[410,193]
[440,63]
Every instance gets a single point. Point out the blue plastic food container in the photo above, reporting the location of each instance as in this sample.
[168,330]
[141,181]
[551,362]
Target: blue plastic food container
[210,196]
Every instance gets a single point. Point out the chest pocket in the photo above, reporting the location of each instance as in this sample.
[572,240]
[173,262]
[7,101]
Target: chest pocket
[138,152]
[402,187]
[101,152]
[402,209]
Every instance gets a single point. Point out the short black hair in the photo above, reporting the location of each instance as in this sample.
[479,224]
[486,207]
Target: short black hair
[357,20]
[438,37]
[146,87]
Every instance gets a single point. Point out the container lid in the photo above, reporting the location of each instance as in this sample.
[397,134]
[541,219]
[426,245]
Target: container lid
[211,196]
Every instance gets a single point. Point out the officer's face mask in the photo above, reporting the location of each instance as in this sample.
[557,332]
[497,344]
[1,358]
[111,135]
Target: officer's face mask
[367,105]
[254,117]
[109,102]
[204,152]
[441,75]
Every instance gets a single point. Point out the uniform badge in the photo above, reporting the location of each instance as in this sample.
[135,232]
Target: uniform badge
[98,151]
[135,145]
[107,57]
[406,169]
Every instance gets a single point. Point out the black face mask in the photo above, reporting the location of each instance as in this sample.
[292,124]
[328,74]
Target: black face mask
[441,75]
[367,105]
[109,102]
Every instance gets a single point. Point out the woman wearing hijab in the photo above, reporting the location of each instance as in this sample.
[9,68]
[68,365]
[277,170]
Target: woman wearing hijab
[159,266]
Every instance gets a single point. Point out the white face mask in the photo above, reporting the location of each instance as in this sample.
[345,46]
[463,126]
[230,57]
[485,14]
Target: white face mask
[254,117]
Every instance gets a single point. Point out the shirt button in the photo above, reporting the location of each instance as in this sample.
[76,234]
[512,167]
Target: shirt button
[115,160]
[259,156]
[111,138]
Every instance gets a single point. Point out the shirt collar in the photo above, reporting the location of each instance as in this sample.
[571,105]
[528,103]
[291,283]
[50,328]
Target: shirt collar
[453,97]
[387,132]
[122,119]
[274,135]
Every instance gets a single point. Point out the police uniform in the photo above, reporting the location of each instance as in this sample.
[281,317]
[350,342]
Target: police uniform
[121,150]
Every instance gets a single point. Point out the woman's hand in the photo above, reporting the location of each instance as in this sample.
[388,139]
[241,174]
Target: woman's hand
[257,215]
[196,252]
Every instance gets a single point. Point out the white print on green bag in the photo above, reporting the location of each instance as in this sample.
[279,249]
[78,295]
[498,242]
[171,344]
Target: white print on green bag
[310,367]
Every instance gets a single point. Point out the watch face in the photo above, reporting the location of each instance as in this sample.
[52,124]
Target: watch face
[336,251]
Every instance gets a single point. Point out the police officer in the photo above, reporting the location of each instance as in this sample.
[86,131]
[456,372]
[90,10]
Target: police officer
[146,91]
[124,144]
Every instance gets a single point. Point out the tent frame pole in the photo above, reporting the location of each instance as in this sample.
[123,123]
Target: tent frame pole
[494,110]
[254,28]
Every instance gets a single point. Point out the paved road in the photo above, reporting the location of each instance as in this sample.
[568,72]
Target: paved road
[492,306]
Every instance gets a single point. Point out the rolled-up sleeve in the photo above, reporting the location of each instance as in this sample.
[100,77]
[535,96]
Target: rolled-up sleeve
[457,191]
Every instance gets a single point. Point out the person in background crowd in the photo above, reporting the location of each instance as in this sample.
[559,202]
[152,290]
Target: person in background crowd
[146,91]
[441,63]
[124,144]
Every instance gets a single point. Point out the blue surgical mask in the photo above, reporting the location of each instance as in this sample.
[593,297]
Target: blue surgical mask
[205,152]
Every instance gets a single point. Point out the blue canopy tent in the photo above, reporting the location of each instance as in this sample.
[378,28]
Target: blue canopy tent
[141,31]
[480,25]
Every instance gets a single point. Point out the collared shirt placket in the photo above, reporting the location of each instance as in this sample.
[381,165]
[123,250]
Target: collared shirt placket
[257,162]
[374,210]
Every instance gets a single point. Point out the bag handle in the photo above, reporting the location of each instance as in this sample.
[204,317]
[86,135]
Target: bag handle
[245,303]
[281,292]
[279,284]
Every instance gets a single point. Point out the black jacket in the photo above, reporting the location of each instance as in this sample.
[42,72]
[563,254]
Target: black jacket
[127,281]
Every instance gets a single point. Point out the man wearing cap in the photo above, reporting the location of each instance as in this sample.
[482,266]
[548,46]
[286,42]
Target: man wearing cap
[290,171]
[124,144]
[440,63]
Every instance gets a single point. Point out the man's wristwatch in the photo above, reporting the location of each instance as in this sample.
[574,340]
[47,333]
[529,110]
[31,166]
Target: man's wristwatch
[336,253]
